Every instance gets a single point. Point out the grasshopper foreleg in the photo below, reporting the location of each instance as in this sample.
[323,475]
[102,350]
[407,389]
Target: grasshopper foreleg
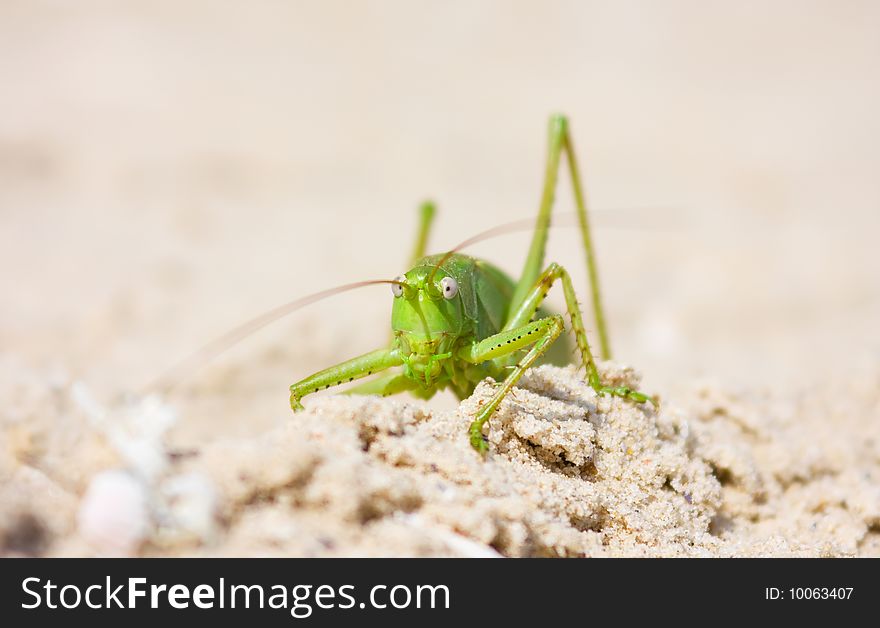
[539,334]
[348,371]
[519,333]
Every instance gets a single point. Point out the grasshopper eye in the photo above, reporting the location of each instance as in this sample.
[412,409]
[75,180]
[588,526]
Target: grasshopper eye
[449,287]
[397,288]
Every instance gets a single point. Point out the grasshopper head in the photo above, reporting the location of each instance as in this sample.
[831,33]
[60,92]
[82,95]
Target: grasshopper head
[426,318]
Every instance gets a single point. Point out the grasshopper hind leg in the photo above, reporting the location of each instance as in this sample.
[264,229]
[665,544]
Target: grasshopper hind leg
[560,145]
[427,211]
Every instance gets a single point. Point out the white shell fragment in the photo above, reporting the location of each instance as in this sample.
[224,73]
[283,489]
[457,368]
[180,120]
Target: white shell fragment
[114,514]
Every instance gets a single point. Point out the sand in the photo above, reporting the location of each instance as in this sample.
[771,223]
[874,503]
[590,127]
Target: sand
[165,177]
[568,475]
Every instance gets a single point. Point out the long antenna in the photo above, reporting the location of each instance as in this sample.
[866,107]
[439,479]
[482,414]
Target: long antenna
[171,377]
[561,219]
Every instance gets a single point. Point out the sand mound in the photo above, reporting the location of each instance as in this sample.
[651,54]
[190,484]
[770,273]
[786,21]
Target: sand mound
[569,474]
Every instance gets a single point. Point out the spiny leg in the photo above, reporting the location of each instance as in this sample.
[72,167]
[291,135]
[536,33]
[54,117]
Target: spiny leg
[348,371]
[519,333]
[559,142]
[532,302]
[387,384]
[540,334]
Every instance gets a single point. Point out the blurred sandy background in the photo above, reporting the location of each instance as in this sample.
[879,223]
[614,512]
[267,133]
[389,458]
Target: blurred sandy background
[169,169]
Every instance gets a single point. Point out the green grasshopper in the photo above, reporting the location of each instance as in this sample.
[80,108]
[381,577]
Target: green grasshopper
[457,319]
